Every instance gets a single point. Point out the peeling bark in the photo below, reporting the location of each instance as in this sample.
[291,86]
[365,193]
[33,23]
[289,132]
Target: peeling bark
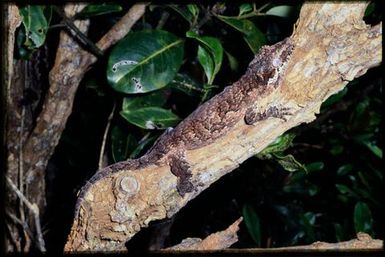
[283,87]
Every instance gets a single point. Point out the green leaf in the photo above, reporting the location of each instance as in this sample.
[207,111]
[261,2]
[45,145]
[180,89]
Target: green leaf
[252,223]
[245,8]
[374,149]
[289,163]
[344,169]
[207,92]
[280,144]
[186,84]
[232,61]
[370,9]
[35,25]
[345,190]
[281,11]
[98,9]
[210,54]
[121,144]
[252,35]
[193,9]
[308,221]
[156,98]
[207,63]
[151,118]
[363,221]
[144,61]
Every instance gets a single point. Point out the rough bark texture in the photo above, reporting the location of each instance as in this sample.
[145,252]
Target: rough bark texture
[283,87]
[13,119]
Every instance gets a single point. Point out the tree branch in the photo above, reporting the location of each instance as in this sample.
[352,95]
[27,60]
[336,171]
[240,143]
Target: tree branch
[283,87]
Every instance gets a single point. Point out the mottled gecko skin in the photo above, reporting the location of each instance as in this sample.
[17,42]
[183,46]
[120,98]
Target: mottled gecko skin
[211,120]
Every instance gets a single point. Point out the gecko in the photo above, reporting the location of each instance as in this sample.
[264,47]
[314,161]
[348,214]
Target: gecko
[212,119]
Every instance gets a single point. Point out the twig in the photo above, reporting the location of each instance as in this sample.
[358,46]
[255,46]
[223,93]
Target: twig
[21,166]
[122,27]
[77,33]
[101,163]
[15,242]
[35,210]
[16,220]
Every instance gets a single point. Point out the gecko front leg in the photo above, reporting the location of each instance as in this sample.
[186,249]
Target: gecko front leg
[181,169]
[252,116]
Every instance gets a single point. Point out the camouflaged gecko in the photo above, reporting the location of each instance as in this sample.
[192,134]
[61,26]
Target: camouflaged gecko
[213,119]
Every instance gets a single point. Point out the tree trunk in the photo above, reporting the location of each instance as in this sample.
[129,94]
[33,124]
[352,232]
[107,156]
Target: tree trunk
[283,87]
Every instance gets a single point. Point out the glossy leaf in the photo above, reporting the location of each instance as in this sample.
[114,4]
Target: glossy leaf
[233,63]
[186,84]
[344,169]
[121,144]
[151,118]
[210,54]
[252,35]
[253,223]
[156,98]
[35,25]
[308,221]
[144,61]
[280,144]
[98,9]
[281,11]
[193,9]
[289,163]
[245,8]
[370,9]
[207,63]
[363,221]
[374,149]
[345,190]
[207,92]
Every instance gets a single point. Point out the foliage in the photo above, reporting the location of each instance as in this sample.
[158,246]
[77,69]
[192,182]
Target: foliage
[321,181]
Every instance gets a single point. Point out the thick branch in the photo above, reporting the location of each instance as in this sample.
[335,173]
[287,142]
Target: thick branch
[283,87]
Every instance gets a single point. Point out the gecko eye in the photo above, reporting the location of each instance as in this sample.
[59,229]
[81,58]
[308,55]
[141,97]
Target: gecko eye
[40,31]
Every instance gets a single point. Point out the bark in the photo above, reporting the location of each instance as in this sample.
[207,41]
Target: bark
[283,87]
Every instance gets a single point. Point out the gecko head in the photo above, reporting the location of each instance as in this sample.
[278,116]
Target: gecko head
[270,60]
